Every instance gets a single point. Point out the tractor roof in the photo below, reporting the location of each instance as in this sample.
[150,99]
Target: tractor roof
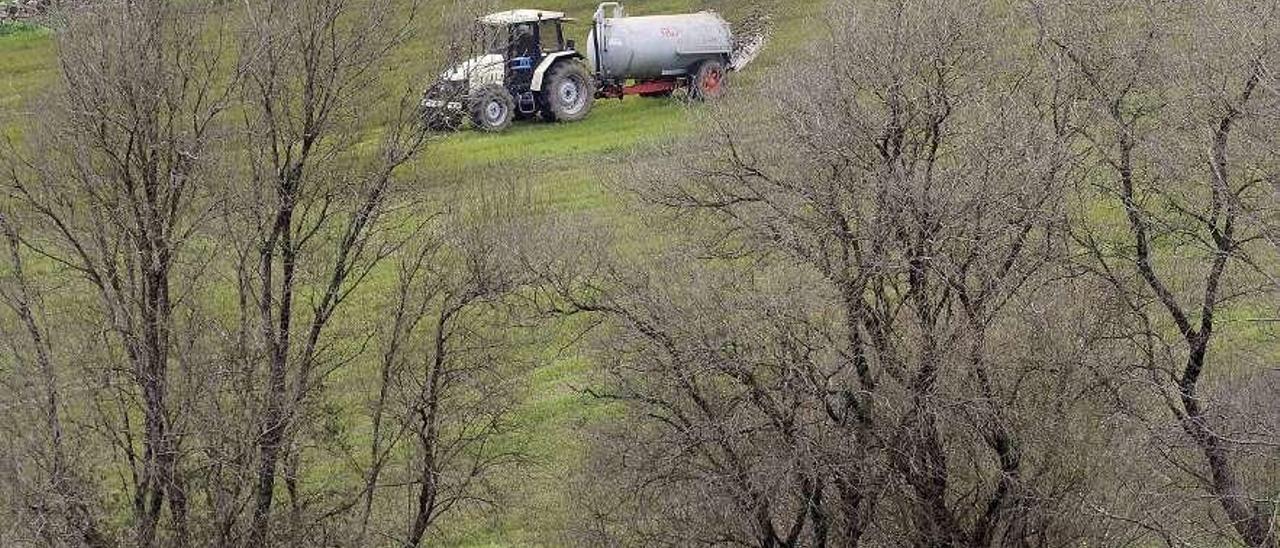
[515,17]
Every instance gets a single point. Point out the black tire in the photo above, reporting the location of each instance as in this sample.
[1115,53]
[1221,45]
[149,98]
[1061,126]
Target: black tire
[568,92]
[709,81]
[492,108]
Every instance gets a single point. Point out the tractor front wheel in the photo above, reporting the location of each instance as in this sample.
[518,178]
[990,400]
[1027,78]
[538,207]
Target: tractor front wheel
[568,92]
[492,108]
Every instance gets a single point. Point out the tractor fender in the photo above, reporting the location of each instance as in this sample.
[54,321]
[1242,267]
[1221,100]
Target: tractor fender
[540,73]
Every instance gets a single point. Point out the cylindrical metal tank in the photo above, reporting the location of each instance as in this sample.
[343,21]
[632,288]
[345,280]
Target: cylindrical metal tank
[621,47]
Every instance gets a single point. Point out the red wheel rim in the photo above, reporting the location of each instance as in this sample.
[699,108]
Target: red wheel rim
[711,82]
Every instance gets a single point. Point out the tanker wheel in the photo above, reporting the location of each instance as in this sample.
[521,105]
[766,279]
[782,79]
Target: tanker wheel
[492,108]
[709,82]
[568,92]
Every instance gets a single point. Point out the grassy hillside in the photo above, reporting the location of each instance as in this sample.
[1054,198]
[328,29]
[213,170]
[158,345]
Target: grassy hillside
[27,66]
[562,167]
[558,169]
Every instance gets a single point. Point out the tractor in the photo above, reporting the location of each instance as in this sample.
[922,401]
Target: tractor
[529,69]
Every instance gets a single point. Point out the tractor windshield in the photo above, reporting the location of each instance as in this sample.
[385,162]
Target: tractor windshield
[517,40]
[521,39]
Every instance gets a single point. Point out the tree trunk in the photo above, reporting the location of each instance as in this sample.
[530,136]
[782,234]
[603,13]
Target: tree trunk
[276,329]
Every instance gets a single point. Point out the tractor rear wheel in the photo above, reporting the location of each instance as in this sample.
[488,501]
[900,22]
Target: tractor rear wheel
[568,92]
[492,108]
[709,82]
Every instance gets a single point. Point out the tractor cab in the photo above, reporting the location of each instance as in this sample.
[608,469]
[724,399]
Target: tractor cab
[523,38]
[524,55]
[519,33]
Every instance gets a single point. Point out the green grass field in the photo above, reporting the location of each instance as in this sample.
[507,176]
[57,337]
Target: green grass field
[27,66]
[563,167]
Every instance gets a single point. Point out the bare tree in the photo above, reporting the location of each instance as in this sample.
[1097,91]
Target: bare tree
[141,184]
[449,375]
[910,176]
[1175,112]
[309,66]
[117,185]
[718,384]
[465,396]
[60,501]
